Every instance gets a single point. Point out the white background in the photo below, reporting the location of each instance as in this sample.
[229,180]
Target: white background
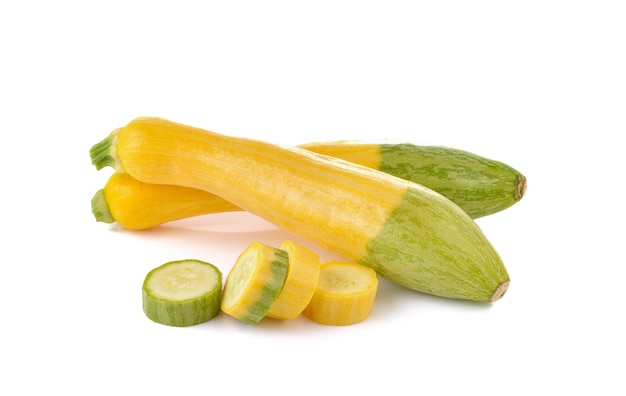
[539,85]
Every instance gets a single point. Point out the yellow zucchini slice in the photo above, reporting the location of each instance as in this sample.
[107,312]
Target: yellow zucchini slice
[300,283]
[345,294]
[254,283]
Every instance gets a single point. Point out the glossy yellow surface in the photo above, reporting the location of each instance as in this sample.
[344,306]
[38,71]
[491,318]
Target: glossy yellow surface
[345,294]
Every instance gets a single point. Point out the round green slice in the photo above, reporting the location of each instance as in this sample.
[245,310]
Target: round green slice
[182,293]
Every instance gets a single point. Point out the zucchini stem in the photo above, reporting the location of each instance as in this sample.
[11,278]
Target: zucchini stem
[100,208]
[521,186]
[103,153]
[504,286]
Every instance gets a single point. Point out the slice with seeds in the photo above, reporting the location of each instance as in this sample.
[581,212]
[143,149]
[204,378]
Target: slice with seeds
[254,282]
[182,293]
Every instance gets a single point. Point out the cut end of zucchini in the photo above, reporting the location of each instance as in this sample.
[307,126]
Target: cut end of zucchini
[182,293]
[500,291]
[521,186]
[100,208]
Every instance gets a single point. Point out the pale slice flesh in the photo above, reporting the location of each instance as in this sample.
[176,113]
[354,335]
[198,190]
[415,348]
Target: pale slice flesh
[254,282]
[182,293]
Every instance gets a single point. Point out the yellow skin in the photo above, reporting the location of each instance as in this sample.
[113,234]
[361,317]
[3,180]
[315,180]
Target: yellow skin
[138,206]
[480,186]
[196,158]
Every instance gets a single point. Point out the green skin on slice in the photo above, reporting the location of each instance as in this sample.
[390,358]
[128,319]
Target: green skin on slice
[270,291]
[262,261]
[182,293]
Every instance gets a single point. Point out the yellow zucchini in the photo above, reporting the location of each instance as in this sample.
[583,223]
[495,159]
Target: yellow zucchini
[138,206]
[404,231]
[480,186]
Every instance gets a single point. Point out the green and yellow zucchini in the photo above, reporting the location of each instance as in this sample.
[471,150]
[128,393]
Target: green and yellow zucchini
[479,185]
[404,231]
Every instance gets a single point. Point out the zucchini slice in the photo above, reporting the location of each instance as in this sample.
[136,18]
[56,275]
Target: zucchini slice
[182,293]
[345,294]
[254,283]
[300,283]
